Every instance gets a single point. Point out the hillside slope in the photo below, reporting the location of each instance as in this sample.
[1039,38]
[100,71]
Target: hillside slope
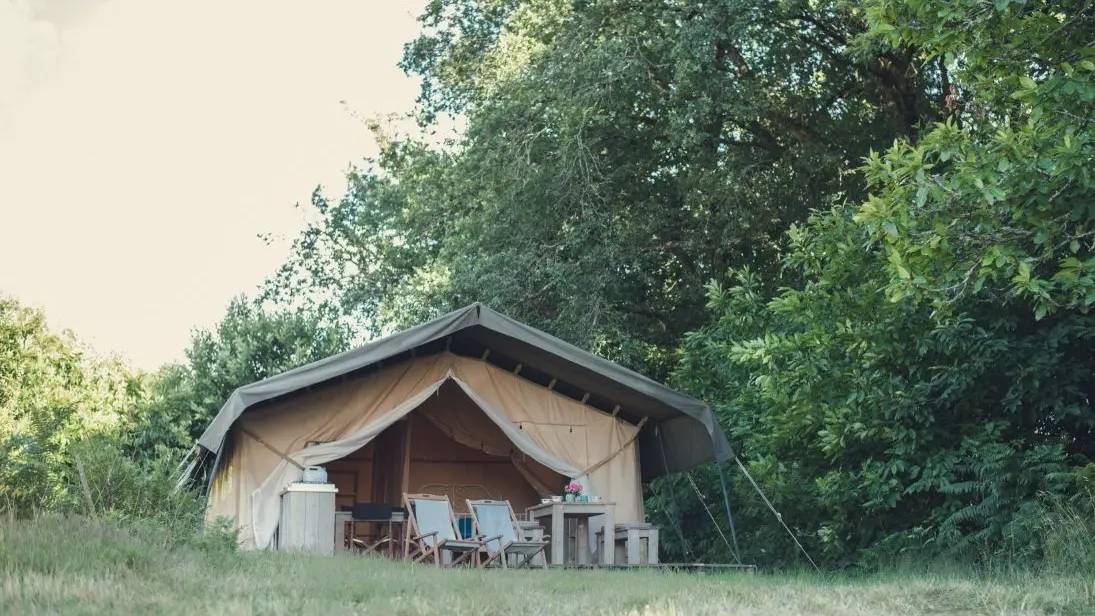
[54,566]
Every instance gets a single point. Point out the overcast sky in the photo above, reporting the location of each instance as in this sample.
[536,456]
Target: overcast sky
[144,144]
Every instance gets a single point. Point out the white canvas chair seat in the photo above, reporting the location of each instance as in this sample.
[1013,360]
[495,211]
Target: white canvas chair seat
[434,531]
[495,520]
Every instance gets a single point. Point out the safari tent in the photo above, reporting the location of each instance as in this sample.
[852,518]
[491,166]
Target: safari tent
[472,404]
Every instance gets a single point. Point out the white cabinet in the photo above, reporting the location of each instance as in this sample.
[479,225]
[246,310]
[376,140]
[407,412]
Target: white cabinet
[307,521]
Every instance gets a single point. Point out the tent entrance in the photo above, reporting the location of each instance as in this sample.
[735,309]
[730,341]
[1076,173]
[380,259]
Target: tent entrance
[449,446]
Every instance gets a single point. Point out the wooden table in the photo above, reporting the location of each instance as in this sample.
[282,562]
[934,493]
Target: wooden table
[558,512]
[344,540]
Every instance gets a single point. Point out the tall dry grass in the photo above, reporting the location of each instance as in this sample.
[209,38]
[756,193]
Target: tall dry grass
[73,565]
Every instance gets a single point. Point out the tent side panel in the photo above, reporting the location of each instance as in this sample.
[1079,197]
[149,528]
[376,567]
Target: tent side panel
[324,415]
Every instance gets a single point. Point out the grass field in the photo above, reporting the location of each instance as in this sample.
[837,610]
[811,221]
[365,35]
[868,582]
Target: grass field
[81,567]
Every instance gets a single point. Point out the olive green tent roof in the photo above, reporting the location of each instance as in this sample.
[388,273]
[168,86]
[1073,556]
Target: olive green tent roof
[680,431]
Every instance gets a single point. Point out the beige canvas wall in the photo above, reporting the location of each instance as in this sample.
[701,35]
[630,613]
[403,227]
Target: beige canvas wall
[556,432]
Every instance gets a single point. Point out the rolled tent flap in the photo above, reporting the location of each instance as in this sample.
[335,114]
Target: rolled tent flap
[265,507]
[517,436]
[327,424]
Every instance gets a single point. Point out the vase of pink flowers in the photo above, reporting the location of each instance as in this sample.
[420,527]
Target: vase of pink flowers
[573,491]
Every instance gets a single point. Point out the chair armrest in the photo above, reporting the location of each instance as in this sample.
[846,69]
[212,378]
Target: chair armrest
[416,538]
[485,539]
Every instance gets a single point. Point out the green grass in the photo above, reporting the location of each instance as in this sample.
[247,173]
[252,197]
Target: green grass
[75,566]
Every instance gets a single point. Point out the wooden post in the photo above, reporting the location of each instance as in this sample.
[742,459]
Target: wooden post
[85,488]
[558,534]
[632,545]
[406,457]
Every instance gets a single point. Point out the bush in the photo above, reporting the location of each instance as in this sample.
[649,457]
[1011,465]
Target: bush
[108,484]
[1068,534]
[97,480]
[28,476]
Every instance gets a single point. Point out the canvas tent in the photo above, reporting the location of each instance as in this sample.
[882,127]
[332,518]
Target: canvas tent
[472,398]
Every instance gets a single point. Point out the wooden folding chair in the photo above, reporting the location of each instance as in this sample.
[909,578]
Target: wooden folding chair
[434,531]
[496,518]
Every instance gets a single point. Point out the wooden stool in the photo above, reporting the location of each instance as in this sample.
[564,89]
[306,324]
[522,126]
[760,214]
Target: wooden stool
[532,531]
[636,544]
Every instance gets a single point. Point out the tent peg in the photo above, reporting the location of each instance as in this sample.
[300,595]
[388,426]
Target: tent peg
[486,354]
[551,385]
[585,397]
[615,410]
[517,370]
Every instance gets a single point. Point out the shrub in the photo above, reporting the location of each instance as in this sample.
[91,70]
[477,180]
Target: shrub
[1068,534]
[97,480]
[108,484]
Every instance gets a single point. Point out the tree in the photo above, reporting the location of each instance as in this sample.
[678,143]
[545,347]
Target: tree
[878,427]
[53,391]
[996,201]
[618,156]
[930,380]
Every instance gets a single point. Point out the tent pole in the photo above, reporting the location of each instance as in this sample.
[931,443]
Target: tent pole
[726,501]
[672,492]
[213,472]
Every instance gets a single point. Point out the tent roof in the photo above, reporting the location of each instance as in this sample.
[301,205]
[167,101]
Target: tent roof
[681,431]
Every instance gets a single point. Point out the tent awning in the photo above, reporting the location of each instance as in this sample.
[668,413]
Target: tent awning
[680,433]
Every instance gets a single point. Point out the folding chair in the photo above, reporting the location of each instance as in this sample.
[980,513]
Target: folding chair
[497,519]
[434,531]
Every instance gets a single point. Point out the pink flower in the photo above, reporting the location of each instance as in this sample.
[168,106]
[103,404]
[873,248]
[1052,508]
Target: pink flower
[573,488]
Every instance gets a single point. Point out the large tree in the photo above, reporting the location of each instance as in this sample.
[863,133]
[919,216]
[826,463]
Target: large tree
[930,381]
[617,156]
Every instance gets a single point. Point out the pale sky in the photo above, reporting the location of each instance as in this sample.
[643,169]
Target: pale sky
[144,144]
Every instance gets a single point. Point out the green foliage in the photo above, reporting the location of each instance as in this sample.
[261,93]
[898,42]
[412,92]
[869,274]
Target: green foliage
[910,390]
[906,375]
[880,427]
[617,157]
[107,483]
[81,434]
[997,201]
[52,392]
[64,417]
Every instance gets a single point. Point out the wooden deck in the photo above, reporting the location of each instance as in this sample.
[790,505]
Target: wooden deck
[687,567]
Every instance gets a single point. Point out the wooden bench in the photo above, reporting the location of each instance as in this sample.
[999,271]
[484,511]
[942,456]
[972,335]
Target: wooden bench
[636,544]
